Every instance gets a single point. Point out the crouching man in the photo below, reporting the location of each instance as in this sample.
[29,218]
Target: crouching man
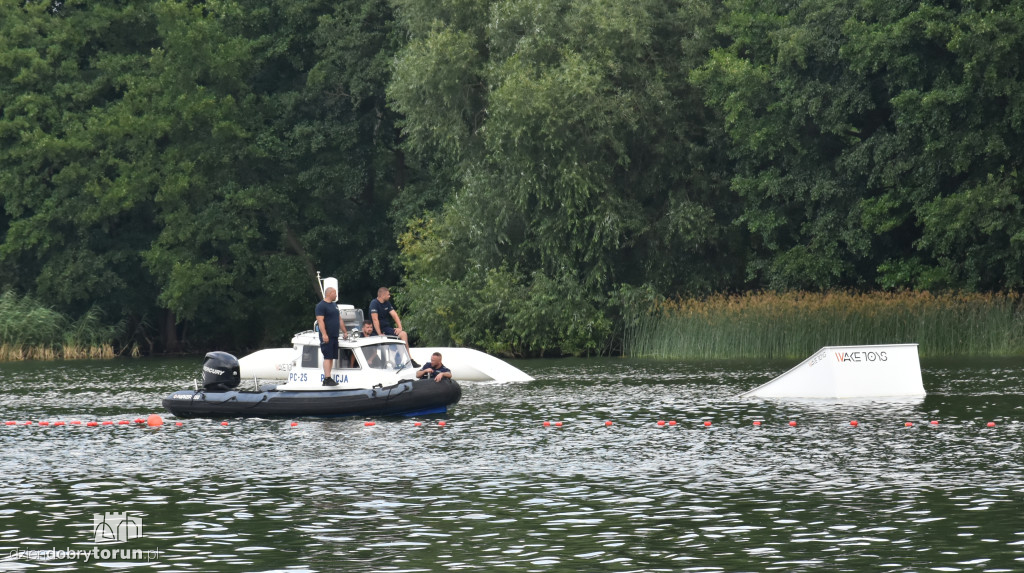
[435,369]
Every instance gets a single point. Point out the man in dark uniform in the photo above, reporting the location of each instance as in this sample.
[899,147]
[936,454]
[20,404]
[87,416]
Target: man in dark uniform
[371,355]
[382,312]
[435,369]
[328,319]
[367,329]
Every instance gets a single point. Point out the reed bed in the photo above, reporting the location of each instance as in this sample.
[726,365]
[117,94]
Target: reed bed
[31,331]
[795,324]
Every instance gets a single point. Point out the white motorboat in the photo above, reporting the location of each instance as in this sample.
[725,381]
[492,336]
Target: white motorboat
[371,375]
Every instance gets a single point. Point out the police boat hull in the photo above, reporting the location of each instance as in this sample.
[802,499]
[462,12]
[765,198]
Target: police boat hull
[405,398]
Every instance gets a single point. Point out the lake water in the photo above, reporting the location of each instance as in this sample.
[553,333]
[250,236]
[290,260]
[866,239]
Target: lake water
[495,489]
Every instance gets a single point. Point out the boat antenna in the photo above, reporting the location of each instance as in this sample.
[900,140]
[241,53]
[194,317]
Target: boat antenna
[320,282]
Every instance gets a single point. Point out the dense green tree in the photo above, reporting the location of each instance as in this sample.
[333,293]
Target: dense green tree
[584,163]
[874,141]
[548,167]
[192,166]
[949,164]
[75,204]
[794,112]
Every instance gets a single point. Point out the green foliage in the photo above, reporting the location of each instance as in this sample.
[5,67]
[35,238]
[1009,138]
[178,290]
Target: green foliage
[69,182]
[569,132]
[167,159]
[25,322]
[30,329]
[500,310]
[795,325]
[873,142]
[188,167]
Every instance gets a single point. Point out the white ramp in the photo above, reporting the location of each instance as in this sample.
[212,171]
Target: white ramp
[472,365]
[850,372]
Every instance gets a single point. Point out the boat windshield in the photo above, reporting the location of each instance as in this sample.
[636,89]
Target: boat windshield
[386,356]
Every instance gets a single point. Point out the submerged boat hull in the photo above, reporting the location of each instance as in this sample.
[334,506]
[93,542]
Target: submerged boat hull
[406,398]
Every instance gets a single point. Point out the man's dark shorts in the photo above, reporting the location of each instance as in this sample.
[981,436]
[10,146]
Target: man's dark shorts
[330,349]
[388,331]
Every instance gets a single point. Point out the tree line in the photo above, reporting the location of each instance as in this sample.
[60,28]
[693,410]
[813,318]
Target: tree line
[526,174]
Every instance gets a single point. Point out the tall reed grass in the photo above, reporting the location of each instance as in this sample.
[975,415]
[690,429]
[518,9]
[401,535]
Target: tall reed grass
[30,330]
[794,325]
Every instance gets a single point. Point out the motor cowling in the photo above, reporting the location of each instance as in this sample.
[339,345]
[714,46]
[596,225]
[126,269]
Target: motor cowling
[220,371]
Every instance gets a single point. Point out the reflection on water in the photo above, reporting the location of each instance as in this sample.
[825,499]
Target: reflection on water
[494,488]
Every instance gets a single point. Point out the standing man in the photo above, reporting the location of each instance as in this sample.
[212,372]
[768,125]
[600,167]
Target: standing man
[382,313]
[435,369]
[328,319]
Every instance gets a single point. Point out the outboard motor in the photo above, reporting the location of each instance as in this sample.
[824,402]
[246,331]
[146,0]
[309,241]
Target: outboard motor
[220,372]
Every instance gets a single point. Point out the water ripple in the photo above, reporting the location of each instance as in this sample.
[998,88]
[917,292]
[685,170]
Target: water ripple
[495,488]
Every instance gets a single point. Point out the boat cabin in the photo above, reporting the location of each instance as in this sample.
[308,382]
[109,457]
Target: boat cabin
[362,362]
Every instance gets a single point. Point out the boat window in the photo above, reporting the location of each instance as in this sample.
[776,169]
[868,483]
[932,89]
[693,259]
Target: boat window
[385,356]
[346,359]
[309,356]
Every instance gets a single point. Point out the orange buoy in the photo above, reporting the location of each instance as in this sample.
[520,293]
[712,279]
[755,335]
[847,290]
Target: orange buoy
[792,423]
[154,420]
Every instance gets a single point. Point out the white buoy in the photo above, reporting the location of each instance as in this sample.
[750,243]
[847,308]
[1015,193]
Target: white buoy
[329,282]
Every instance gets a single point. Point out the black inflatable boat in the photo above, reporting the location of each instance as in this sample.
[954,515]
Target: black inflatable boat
[221,397]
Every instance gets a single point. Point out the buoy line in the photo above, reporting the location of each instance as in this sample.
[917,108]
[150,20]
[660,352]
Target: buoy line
[155,420]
